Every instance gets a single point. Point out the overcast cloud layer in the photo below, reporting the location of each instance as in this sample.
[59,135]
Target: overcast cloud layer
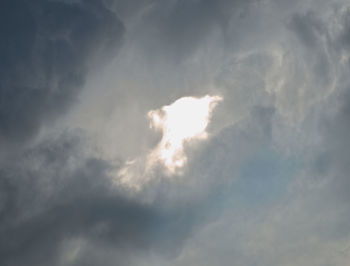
[270,184]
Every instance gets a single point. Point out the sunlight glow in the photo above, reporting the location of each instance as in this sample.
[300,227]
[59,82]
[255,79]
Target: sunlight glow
[184,120]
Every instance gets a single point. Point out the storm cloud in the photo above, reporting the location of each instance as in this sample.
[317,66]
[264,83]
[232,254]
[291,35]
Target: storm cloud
[269,183]
[46,51]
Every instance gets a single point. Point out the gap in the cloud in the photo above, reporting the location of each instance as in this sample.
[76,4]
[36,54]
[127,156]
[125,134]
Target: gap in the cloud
[264,177]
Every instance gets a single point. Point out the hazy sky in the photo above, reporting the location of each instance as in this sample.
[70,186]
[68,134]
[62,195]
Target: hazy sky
[174,132]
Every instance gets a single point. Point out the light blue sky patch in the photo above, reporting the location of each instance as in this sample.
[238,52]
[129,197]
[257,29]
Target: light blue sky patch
[264,176]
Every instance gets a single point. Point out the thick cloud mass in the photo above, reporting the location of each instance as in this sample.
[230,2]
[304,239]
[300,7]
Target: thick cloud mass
[45,53]
[54,196]
[268,186]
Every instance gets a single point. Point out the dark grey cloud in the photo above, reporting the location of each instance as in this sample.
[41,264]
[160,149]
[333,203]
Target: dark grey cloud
[46,51]
[282,69]
[333,160]
[175,29]
[55,196]
[52,194]
[345,36]
[308,28]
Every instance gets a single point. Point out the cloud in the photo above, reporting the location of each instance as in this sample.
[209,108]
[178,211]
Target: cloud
[182,122]
[54,196]
[270,186]
[47,50]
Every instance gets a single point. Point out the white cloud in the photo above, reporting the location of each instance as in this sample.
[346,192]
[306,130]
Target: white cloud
[183,121]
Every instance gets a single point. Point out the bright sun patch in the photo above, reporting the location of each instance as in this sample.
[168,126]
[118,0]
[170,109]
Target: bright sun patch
[184,120]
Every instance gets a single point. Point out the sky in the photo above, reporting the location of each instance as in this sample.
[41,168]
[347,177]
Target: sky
[174,132]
